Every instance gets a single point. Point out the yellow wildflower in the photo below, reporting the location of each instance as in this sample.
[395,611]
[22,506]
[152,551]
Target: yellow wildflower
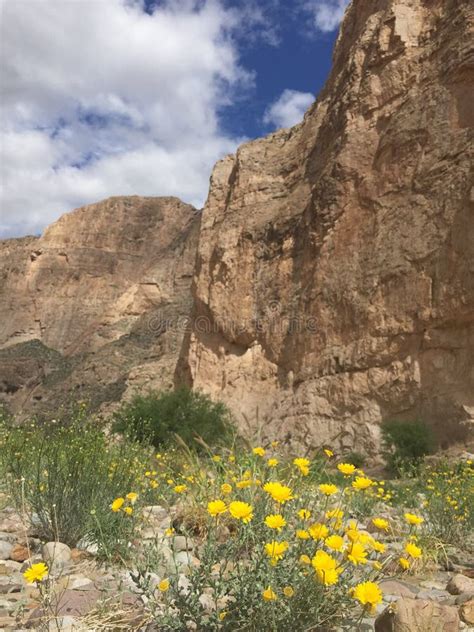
[328,453]
[357,554]
[269,595]
[272,462]
[280,493]
[380,523]
[132,497]
[241,511]
[259,451]
[226,488]
[275,550]
[346,468]
[377,546]
[318,531]
[336,514]
[302,534]
[303,465]
[275,521]
[180,489]
[216,507]
[304,514]
[36,573]
[413,519]
[305,559]
[328,489]
[404,563]
[334,542]
[128,511]
[117,504]
[413,550]
[243,484]
[288,591]
[164,585]
[368,594]
[361,482]
[327,570]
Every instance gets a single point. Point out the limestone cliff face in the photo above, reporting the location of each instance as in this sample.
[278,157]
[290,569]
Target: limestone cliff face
[334,278]
[334,284]
[89,309]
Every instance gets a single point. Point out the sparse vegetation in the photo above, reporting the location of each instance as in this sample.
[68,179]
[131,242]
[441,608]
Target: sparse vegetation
[63,478]
[266,541]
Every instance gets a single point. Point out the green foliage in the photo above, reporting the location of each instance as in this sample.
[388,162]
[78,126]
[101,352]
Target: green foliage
[405,445]
[356,458]
[64,479]
[449,506]
[156,418]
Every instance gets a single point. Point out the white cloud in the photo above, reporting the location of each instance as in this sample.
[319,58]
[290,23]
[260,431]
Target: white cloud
[288,109]
[99,98]
[326,14]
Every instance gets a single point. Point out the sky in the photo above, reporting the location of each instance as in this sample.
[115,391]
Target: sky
[141,97]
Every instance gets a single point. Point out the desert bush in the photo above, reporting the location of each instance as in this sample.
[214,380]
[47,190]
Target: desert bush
[405,444]
[64,478]
[156,418]
[279,550]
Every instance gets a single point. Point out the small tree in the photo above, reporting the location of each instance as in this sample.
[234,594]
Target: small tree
[157,417]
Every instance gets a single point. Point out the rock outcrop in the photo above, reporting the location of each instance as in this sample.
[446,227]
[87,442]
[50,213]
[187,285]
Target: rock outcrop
[334,282]
[90,310]
[334,278]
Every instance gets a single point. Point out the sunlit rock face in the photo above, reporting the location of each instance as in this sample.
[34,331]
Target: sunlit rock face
[327,286]
[334,283]
[89,310]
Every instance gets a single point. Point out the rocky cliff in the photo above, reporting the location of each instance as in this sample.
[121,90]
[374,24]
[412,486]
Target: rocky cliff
[334,281]
[334,278]
[89,310]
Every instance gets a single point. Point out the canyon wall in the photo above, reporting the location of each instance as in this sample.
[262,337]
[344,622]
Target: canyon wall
[334,283]
[90,309]
[333,262]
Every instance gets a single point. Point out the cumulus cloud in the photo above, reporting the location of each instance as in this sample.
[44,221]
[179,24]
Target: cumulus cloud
[288,109]
[101,98]
[326,14]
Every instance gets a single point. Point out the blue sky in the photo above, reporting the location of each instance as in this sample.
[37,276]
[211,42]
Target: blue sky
[121,97]
[299,60]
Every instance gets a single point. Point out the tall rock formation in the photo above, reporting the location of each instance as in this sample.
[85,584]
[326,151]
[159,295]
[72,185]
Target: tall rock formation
[334,283]
[334,278]
[90,309]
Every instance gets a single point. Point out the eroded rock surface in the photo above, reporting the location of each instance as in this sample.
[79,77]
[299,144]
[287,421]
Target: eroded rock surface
[334,283]
[90,309]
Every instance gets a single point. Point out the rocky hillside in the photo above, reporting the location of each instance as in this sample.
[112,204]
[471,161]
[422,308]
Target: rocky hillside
[90,309]
[333,284]
[334,279]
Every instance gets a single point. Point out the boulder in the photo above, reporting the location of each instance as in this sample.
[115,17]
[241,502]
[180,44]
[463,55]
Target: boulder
[459,584]
[57,556]
[418,615]
[467,612]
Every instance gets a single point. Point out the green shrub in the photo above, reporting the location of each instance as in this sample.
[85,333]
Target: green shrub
[405,444]
[356,458]
[156,418]
[64,479]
